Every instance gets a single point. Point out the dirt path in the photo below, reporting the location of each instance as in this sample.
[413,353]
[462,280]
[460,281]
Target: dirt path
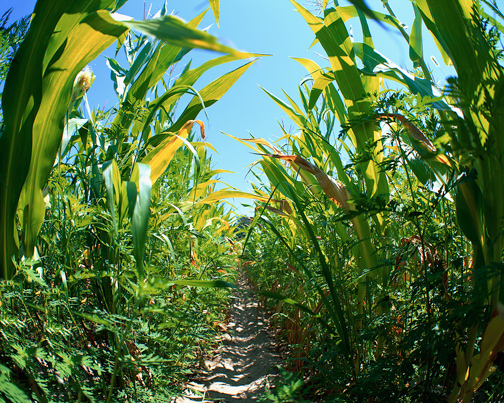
[246,360]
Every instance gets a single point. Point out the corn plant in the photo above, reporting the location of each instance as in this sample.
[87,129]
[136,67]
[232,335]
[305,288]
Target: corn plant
[398,155]
[113,253]
[62,39]
[474,153]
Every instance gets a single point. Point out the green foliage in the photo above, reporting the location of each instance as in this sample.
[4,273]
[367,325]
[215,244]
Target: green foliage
[382,253]
[287,389]
[118,288]
[10,38]
[377,243]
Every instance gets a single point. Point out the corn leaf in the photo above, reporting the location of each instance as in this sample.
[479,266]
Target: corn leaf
[415,39]
[231,194]
[215,9]
[160,157]
[173,30]
[210,95]
[141,214]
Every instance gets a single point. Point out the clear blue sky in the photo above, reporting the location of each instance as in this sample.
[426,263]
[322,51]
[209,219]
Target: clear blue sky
[259,26]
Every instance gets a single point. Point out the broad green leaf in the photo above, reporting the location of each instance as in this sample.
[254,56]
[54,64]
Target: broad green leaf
[72,126]
[334,38]
[279,178]
[189,78]
[23,89]
[336,41]
[433,29]
[113,185]
[463,41]
[331,94]
[386,68]
[468,202]
[175,92]
[201,189]
[86,37]
[287,300]
[333,189]
[211,147]
[297,118]
[421,170]
[62,40]
[348,12]
[140,219]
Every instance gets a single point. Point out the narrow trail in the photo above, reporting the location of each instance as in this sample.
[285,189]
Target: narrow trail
[246,361]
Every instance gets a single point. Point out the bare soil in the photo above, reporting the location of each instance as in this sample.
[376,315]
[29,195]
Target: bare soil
[246,361]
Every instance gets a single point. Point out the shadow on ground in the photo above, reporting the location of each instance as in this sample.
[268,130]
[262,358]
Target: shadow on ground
[246,361]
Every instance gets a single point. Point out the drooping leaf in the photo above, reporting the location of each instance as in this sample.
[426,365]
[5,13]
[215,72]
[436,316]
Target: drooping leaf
[159,158]
[172,29]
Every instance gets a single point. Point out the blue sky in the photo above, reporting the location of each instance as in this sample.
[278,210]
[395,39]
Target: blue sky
[259,26]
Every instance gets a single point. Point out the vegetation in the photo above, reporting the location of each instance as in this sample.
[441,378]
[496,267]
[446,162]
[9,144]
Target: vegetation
[121,233]
[377,242]
[388,278]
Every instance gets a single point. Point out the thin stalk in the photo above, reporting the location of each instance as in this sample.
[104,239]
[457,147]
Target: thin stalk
[416,223]
[119,353]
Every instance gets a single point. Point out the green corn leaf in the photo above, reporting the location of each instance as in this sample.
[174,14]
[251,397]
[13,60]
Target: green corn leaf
[210,95]
[160,157]
[85,41]
[28,107]
[334,38]
[143,59]
[189,78]
[421,170]
[415,39]
[433,29]
[62,39]
[141,214]
[297,118]
[112,178]
[131,193]
[468,202]
[173,30]
[215,9]
[349,12]
[279,178]
[383,67]
[287,300]
[174,92]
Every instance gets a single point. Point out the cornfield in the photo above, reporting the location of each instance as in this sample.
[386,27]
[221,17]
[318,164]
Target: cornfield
[377,241]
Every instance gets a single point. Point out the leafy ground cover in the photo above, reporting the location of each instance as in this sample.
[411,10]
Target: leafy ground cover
[377,243]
